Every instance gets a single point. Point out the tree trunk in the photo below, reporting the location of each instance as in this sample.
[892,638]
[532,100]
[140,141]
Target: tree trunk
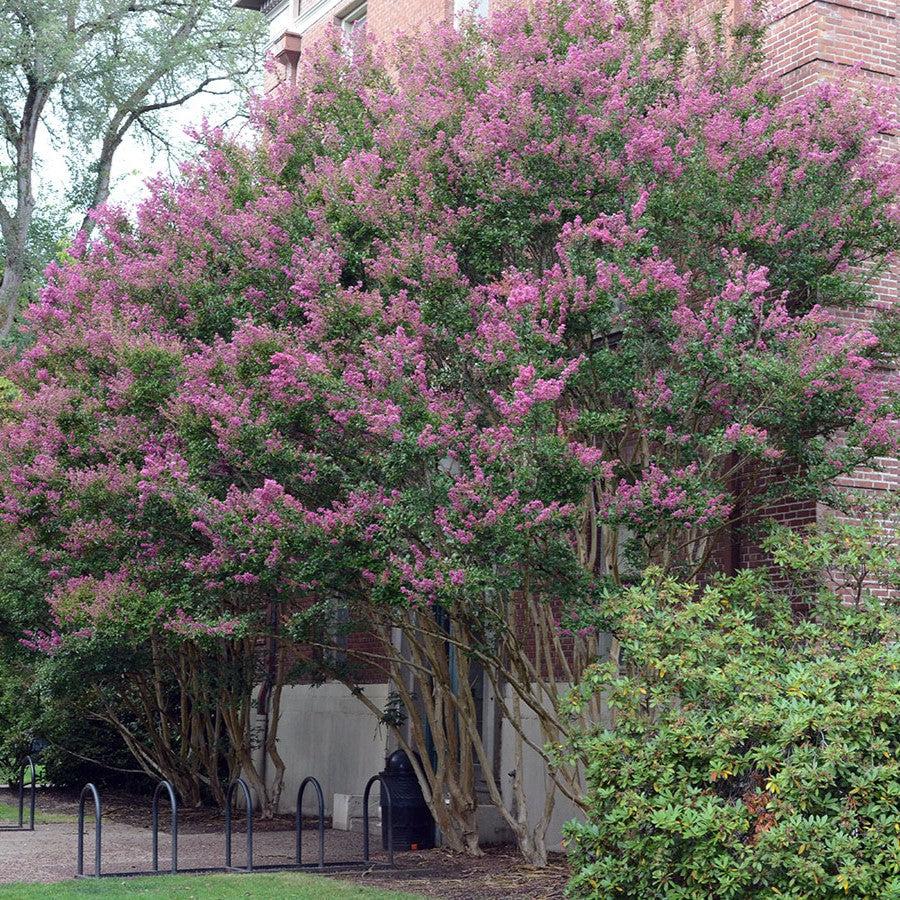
[459,828]
[15,225]
[111,143]
[11,291]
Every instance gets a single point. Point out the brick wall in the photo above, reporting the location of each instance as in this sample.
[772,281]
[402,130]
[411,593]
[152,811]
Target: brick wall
[303,25]
[812,40]
[387,17]
[384,18]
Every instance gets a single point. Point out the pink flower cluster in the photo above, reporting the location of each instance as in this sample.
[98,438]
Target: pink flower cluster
[187,626]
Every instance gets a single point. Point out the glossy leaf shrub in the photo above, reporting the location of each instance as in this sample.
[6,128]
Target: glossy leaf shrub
[754,754]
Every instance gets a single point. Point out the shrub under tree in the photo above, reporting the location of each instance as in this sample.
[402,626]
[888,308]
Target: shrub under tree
[755,750]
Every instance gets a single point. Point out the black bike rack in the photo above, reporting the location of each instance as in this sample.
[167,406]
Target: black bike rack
[298,822]
[389,812]
[237,784]
[161,788]
[321,865]
[98,827]
[27,763]
[248,800]
[165,785]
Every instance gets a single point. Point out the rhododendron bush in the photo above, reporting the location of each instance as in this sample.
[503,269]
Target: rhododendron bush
[467,334]
[752,755]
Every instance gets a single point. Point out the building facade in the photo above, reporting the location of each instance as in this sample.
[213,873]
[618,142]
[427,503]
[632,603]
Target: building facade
[326,731]
[295,24]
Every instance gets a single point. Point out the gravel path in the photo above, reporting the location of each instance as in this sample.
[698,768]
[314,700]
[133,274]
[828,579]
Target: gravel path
[47,855]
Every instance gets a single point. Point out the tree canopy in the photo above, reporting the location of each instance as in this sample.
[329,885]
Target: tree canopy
[91,71]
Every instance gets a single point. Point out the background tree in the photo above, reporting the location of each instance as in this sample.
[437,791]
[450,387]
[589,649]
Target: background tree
[90,71]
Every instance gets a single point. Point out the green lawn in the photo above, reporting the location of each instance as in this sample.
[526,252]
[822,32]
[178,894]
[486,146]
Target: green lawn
[9,815]
[288,885]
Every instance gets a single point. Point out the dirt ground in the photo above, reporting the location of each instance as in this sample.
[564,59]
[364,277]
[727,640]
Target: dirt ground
[48,854]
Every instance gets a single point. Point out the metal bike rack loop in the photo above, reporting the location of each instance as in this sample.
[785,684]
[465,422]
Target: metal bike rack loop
[232,788]
[299,820]
[165,785]
[27,763]
[89,789]
[389,814]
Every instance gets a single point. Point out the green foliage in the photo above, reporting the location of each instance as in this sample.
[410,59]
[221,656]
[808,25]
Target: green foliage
[45,701]
[754,753]
[21,584]
[8,394]
[18,712]
[107,70]
[853,554]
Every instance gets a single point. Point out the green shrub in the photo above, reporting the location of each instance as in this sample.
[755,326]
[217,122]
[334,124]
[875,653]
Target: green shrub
[753,754]
[41,706]
[69,745]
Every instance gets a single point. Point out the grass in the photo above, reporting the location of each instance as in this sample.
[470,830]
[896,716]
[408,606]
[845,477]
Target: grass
[9,815]
[287,885]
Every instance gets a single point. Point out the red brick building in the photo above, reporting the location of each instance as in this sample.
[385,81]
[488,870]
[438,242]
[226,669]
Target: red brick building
[808,40]
[296,24]
[812,40]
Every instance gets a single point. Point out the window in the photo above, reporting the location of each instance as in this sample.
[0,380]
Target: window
[479,7]
[337,632]
[353,23]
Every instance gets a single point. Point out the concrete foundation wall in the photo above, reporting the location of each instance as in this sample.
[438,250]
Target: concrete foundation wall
[537,781]
[328,733]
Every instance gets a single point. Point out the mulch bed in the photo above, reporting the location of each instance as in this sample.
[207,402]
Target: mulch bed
[498,875]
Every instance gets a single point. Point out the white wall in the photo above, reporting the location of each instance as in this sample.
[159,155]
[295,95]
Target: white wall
[537,782]
[281,20]
[328,733]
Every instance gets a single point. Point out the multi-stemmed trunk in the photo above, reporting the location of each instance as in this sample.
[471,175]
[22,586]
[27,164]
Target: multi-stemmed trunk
[440,732]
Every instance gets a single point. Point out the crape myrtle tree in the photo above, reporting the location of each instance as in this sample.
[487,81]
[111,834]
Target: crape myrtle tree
[474,330]
[116,632]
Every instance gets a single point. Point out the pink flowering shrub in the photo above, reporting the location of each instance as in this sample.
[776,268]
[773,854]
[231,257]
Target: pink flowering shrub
[505,314]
